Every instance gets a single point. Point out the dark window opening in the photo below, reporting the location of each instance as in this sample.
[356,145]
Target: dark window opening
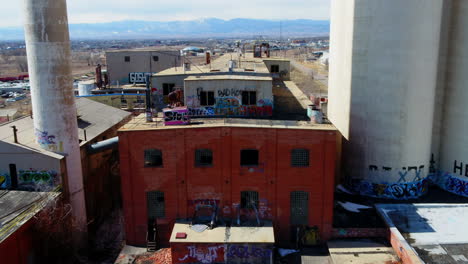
[155,58]
[249,199]
[207,98]
[127,58]
[249,98]
[203,157]
[299,208]
[300,158]
[274,68]
[249,157]
[168,88]
[155,204]
[153,158]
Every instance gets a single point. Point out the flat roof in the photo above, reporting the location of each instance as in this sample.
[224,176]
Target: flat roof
[437,232]
[228,77]
[18,207]
[139,123]
[247,61]
[224,234]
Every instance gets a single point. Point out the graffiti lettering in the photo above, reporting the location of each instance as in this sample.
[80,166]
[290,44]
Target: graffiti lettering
[229,92]
[47,141]
[176,116]
[36,179]
[248,251]
[400,191]
[204,254]
[201,111]
[460,168]
[451,183]
[138,77]
[403,173]
[203,202]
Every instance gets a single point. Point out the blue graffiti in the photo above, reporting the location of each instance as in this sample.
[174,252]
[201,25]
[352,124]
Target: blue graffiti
[248,251]
[399,191]
[451,183]
[5,181]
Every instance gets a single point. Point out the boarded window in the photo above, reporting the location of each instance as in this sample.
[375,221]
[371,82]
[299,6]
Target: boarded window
[249,199]
[155,58]
[299,208]
[203,157]
[168,88]
[207,98]
[249,157]
[300,158]
[153,158]
[127,58]
[249,98]
[155,204]
[274,68]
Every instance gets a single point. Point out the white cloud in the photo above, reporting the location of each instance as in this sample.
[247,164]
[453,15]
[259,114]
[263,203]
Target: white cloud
[95,11]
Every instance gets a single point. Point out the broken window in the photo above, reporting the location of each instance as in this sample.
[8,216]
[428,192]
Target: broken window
[155,204]
[127,59]
[155,58]
[207,98]
[249,200]
[249,157]
[299,208]
[300,158]
[249,98]
[203,157]
[153,158]
[168,88]
[274,69]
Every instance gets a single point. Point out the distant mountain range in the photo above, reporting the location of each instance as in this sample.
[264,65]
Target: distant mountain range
[201,28]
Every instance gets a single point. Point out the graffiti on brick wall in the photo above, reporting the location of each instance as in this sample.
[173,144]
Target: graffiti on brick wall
[37,179]
[405,174]
[203,254]
[248,251]
[398,190]
[176,116]
[226,253]
[451,183]
[48,142]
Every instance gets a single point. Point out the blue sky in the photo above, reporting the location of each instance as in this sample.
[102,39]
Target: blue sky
[96,11]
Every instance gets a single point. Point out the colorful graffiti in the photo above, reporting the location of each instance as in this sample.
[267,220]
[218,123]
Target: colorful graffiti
[229,92]
[37,179]
[451,183]
[48,142]
[231,106]
[225,253]
[399,191]
[176,116]
[5,181]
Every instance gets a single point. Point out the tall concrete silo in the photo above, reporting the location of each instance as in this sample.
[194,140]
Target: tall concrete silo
[382,83]
[453,174]
[53,101]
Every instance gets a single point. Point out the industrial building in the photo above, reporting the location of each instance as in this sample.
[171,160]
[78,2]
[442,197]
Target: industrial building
[32,168]
[287,169]
[132,66]
[396,93]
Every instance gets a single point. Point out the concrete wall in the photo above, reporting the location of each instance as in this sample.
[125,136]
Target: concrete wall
[140,61]
[383,76]
[454,141]
[185,185]
[228,97]
[35,169]
[116,101]
[284,68]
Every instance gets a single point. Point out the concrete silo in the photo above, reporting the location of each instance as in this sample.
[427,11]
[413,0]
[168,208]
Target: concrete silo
[53,100]
[453,166]
[382,84]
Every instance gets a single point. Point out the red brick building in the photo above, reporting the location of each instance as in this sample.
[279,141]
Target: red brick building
[286,167]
